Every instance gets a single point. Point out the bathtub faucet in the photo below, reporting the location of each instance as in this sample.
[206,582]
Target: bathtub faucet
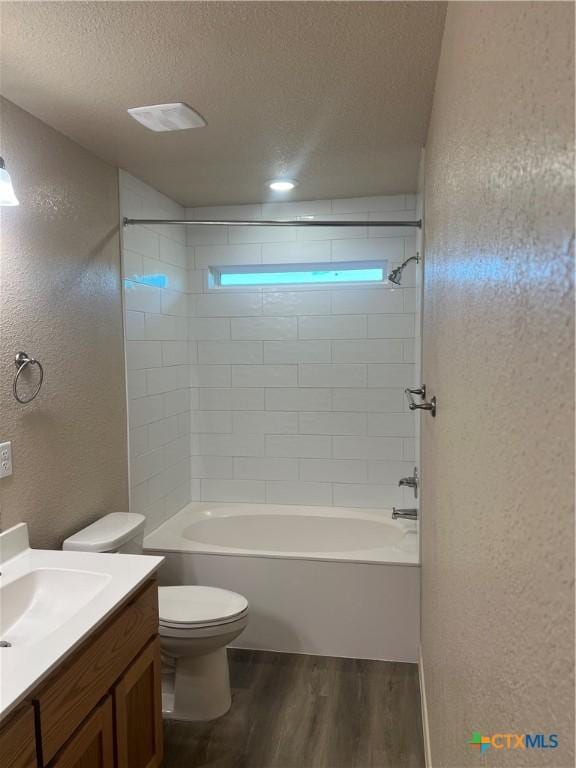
[411,482]
[406,514]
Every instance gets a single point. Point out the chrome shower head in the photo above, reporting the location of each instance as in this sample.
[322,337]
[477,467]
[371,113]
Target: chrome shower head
[396,275]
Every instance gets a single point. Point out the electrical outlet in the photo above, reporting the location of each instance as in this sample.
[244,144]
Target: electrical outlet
[5,459]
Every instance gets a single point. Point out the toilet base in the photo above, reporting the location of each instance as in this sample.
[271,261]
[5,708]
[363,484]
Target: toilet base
[198,689]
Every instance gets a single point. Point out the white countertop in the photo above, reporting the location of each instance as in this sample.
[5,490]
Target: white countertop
[24,666]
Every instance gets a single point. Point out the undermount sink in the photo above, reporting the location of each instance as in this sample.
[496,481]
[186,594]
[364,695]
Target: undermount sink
[40,602]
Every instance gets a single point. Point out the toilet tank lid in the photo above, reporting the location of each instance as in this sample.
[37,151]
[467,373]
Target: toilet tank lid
[106,534]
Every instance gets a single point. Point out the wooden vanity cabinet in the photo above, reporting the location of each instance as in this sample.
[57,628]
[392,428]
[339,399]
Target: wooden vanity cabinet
[18,739]
[102,707]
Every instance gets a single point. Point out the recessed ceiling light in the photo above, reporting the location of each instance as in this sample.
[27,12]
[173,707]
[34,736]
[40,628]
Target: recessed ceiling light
[282,185]
[167,117]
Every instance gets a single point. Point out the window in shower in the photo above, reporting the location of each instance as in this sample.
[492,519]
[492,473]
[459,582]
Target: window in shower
[298,274]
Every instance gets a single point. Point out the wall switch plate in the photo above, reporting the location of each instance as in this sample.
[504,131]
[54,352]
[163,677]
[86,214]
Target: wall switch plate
[5,459]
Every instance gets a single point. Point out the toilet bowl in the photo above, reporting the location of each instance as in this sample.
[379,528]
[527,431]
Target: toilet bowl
[195,625]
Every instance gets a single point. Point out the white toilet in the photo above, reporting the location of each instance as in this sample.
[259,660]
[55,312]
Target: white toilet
[196,625]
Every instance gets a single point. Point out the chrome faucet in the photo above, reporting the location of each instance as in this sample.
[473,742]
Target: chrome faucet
[406,514]
[411,482]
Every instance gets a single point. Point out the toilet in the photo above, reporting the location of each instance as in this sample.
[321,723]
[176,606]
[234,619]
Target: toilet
[195,625]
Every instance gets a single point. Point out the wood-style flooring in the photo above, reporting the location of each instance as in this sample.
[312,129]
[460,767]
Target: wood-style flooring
[291,711]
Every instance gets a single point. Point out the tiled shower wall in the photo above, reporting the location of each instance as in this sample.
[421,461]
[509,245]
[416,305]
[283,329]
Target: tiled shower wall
[155,272]
[298,394]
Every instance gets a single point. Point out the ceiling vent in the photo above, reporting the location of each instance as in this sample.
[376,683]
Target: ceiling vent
[167,117]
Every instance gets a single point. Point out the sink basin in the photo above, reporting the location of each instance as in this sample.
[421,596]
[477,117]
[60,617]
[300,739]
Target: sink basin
[40,602]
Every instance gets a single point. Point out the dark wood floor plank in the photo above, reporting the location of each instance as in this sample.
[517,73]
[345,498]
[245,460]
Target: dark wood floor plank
[294,711]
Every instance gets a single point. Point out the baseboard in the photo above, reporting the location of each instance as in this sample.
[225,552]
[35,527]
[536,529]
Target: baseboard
[424,708]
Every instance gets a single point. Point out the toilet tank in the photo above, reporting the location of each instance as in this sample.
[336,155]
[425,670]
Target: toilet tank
[116,532]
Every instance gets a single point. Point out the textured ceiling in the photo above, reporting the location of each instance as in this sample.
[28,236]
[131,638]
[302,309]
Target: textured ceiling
[337,95]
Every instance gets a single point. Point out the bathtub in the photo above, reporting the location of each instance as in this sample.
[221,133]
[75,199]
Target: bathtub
[319,580]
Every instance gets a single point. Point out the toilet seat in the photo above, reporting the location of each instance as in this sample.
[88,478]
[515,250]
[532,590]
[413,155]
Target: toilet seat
[188,608]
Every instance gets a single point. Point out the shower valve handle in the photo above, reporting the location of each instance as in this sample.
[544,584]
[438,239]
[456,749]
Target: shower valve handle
[425,406]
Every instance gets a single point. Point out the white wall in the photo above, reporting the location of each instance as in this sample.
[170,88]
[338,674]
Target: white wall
[300,393]
[157,355]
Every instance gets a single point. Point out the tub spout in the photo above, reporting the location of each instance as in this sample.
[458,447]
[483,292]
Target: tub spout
[406,514]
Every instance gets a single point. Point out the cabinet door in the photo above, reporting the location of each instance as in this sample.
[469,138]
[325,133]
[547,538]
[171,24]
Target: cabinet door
[138,704]
[18,740]
[92,746]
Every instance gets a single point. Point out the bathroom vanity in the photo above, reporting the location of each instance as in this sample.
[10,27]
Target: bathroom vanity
[98,703]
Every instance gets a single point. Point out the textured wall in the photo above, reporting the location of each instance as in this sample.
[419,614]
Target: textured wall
[60,301]
[497,624]
[299,392]
[156,277]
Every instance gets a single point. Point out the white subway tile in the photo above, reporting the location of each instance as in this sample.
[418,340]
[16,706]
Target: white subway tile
[176,402]
[136,384]
[333,470]
[299,399]
[312,375]
[368,400]
[176,451]
[229,212]
[139,441]
[298,492]
[261,328]
[143,354]
[317,208]
[392,424]
[261,234]
[231,445]
[399,231]
[228,304]
[243,399]
[162,432]
[380,203]
[314,423]
[211,421]
[409,449]
[142,241]
[367,448]
[209,329]
[159,380]
[203,235]
[410,299]
[141,298]
[264,375]
[211,466]
[332,327]
[302,446]
[230,351]
[265,468]
[391,375]
[335,233]
[364,301]
[246,491]
[371,496]
[390,249]
[161,327]
[210,375]
[297,303]
[146,466]
[389,472]
[174,303]
[175,353]
[134,326]
[196,281]
[313,252]
[369,351]
[173,252]
[144,410]
[409,351]
[265,422]
[132,266]
[297,352]
[390,326]
[207,256]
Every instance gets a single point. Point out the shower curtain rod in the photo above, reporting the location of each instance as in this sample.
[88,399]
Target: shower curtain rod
[273,223]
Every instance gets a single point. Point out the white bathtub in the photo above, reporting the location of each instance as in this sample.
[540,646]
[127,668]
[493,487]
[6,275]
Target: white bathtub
[320,580]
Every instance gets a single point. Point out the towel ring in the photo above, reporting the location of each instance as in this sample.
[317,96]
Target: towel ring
[23,360]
